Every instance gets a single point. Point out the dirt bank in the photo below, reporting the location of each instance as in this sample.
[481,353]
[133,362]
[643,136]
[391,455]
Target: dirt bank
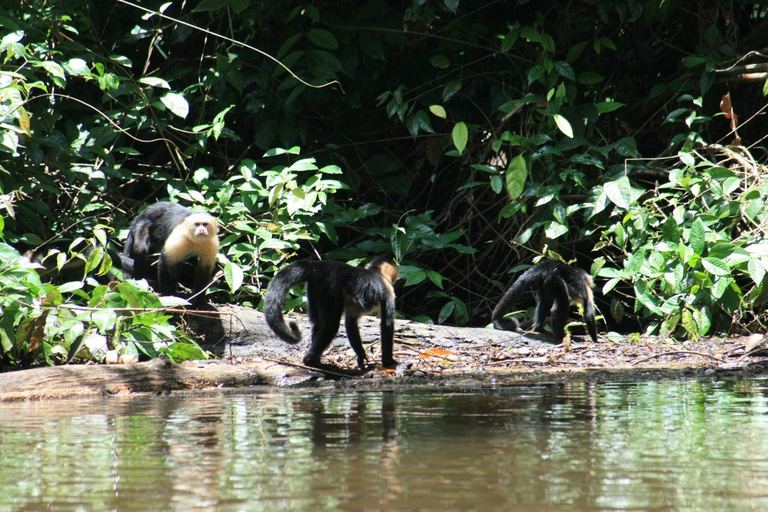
[248,354]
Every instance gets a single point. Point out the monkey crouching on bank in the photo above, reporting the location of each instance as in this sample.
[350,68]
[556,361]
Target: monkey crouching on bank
[556,285]
[177,234]
[335,289]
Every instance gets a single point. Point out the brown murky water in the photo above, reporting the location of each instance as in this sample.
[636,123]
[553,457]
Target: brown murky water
[638,446]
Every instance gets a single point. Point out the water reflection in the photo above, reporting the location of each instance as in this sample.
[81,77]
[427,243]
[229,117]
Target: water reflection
[645,446]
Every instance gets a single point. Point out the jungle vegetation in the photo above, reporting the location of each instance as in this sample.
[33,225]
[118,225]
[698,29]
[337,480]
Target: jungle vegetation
[464,138]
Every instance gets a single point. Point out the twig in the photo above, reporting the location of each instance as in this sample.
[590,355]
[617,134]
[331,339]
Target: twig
[310,368]
[677,352]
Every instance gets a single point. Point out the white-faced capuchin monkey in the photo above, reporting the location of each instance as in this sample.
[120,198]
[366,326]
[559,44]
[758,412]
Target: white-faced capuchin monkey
[177,234]
[556,285]
[335,288]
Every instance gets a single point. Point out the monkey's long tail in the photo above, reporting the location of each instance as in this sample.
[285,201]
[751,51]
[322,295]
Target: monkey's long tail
[275,298]
[508,301]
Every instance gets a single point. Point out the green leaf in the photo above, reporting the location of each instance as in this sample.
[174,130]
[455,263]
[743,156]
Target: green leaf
[689,324]
[176,103]
[716,266]
[77,67]
[233,274]
[154,81]
[509,40]
[608,106]
[445,312]
[547,43]
[697,236]
[438,111]
[517,173]
[451,89]
[531,34]
[756,271]
[440,61]
[563,125]
[460,135]
[619,192]
[323,39]
[554,230]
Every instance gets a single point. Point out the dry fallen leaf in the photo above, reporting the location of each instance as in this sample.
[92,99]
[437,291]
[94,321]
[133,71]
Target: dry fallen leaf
[435,352]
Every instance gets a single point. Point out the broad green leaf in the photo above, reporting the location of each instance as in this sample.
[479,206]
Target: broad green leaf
[554,230]
[509,40]
[689,324]
[608,106]
[154,81]
[619,192]
[716,266]
[563,125]
[460,135]
[496,183]
[697,236]
[176,103]
[323,39]
[438,111]
[445,312]
[531,34]
[451,89]
[233,274]
[77,67]
[756,271]
[440,61]
[687,158]
[517,173]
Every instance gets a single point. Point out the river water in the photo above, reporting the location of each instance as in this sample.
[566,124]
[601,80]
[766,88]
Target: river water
[669,445]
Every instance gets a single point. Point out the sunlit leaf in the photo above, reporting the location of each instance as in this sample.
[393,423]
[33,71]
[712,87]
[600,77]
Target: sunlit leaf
[563,125]
[619,192]
[697,236]
[517,173]
[176,103]
[460,135]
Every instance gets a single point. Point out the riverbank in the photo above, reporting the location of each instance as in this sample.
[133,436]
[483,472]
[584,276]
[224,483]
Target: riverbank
[248,354]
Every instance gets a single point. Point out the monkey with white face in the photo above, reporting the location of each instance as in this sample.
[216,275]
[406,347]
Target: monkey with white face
[177,234]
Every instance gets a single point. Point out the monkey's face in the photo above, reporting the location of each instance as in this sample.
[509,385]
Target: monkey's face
[201,225]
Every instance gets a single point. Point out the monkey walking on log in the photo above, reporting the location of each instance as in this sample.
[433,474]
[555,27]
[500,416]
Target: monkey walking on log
[177,234]
[556,285]
[335,289]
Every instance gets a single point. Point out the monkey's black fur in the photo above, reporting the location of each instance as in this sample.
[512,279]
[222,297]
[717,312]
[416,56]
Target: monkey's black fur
[555,285]
[335,288]
[151,232]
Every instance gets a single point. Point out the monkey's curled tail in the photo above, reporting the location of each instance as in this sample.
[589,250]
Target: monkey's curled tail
[508,301]
[275,298]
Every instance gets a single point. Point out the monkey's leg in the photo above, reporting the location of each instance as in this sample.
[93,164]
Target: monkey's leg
[202,279]
[167,275]
[353,334]
[324,328]
[543,306]
[560,310]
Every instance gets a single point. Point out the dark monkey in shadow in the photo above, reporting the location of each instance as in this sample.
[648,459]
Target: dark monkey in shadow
[335,289]
[556,285]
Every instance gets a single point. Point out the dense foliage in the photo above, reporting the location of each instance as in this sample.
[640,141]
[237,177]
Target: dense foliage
[463,137]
